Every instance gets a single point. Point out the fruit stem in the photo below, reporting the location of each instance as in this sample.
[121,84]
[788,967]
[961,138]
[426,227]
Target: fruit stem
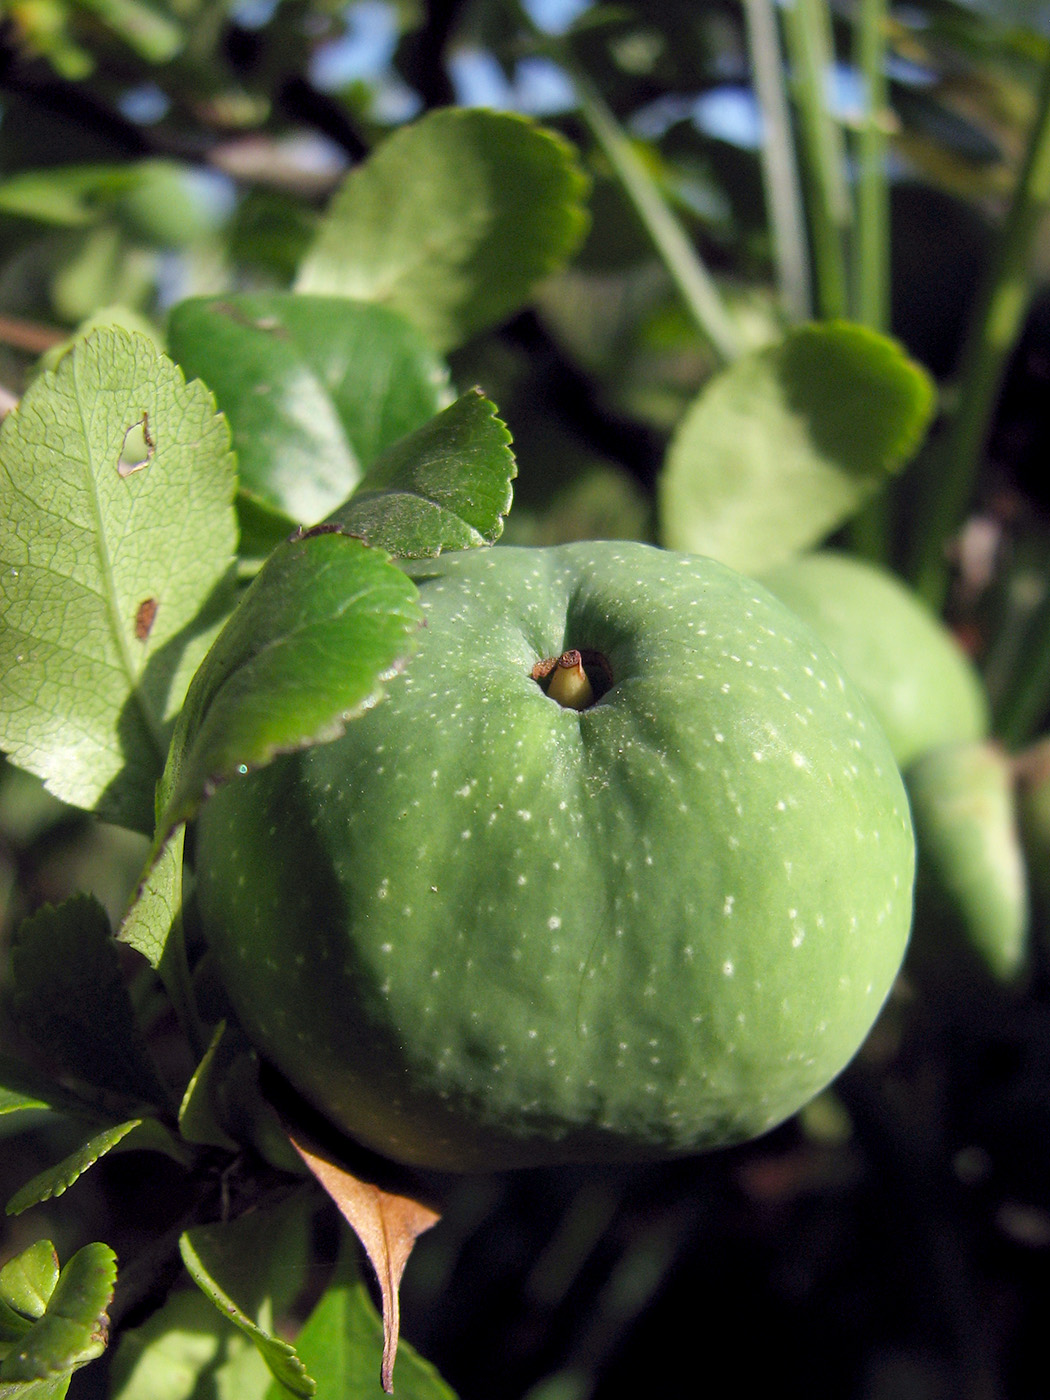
[569,684]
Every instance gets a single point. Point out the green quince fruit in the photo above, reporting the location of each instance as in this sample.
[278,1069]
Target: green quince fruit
[971,862]
[621,868]
[921,685]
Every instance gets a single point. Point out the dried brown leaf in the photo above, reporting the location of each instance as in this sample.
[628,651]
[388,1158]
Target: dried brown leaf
[386,1222]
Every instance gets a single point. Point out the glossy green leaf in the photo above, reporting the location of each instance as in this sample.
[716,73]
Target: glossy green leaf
[150,1134]
[325,621]
[249,1269]
[787,443]
[452,222]
[187,1351]
[446,486]
[74,1327]
[341,1344]
[314,388]
[70,998]
[28,1280]
[118,528]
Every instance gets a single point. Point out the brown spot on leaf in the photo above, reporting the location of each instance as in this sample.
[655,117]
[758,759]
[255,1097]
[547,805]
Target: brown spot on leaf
[144,615]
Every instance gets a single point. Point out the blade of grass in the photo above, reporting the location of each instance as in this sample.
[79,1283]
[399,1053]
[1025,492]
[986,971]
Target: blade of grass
[871,271]
[687,269]
[779,165]
[950,472]
[871,533]
[807,31]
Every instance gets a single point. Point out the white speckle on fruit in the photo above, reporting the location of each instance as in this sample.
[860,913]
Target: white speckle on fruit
[727,905]
[728,968]
[554,922]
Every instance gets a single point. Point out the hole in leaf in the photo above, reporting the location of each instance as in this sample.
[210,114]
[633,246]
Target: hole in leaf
[137,448]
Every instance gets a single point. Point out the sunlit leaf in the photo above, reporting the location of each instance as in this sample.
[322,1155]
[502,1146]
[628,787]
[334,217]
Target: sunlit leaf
[446,486]
[150,1134]
[311,643]
[788,442]
[314,388]
[73,1328]
[117,527]
[250,1269]
[342,1343]
[452,222]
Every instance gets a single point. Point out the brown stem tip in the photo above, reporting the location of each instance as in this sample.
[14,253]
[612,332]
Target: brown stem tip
[576,679]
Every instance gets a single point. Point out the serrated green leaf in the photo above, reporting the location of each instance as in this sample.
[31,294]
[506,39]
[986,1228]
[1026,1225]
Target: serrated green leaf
[787,443]
[149,1134]
[112,548]
[57,1179]
[249,1269]
[323,624]
[452,222]
[28,1281]
[445,486]
[74,1328]
[70,998]
[341,1344]
[314,388]
[187,1351]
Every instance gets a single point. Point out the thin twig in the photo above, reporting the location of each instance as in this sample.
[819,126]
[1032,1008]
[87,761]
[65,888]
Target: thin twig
[29,335]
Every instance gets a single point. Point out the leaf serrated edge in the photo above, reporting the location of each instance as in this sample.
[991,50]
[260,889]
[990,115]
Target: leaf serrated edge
[265,1341]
